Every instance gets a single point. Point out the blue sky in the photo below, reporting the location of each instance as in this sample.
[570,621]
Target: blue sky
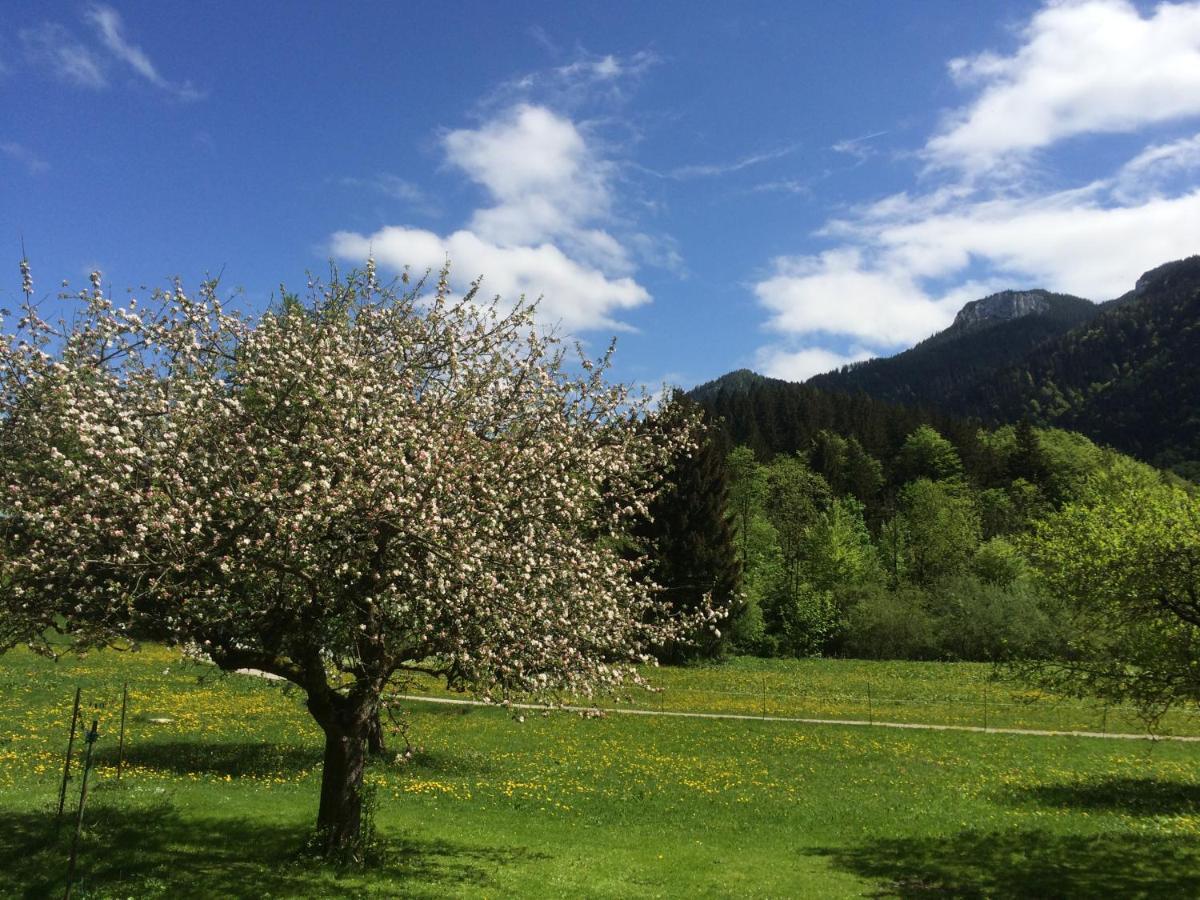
[784,186]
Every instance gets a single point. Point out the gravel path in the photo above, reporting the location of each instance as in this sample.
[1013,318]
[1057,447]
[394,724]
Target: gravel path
[1108,735]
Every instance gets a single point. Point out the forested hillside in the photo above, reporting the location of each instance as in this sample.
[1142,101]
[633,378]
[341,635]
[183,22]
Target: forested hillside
[771,416]
[1129,378]
[1124,372]
[987,336]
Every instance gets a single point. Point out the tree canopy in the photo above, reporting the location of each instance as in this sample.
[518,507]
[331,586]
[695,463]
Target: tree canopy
[372,482]
[1125,561]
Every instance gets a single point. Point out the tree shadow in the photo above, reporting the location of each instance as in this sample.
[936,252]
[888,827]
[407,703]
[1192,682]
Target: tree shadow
[1133,796]
[152,851]
[223,758]
[1026,863]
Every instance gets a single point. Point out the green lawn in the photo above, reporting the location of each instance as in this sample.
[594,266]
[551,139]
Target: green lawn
[215,802]
[931,693]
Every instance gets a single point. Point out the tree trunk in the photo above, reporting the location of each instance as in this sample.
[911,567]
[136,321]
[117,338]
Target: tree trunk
[339,818]
[376,745]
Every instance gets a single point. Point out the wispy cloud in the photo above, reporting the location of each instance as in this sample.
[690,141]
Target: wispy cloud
[111,30]
[52,46]
[860,147]
[33,163]
[710,170]
[395,188]
[783,186]
[586,80]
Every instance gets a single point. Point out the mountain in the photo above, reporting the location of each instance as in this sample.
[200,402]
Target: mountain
[987,335]
[772,416]
[1125,373]
[1130,377]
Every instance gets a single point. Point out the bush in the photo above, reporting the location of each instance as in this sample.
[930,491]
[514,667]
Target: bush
[883,624]
[988,621]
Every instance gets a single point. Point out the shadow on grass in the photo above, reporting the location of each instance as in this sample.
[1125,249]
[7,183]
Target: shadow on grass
[1026,863]
[145,850]
[236,759]
[1134,796]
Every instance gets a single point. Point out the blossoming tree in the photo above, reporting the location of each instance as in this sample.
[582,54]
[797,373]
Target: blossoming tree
[342,491]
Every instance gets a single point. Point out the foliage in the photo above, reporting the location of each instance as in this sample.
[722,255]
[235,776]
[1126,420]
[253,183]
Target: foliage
[376,482]
[926,454]
[999,562]
[1125,560]
[1121,373]
[943,528]
[690,539]
[890,624]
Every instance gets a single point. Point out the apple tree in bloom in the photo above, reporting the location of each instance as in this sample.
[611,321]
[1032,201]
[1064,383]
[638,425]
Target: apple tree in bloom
[369,483]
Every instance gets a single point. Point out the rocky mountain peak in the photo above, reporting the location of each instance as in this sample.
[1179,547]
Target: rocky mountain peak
[1003,306]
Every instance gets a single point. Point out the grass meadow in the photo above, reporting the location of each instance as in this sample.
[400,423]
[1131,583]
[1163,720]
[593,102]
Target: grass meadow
[219,793]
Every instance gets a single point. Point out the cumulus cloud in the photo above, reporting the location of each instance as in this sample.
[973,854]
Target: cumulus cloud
[540,235]
[1082,67]
[802,364]
[543,179]
[838,293]
[574,295]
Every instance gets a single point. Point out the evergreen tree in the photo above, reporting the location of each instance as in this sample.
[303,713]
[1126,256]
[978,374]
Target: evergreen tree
[691,539]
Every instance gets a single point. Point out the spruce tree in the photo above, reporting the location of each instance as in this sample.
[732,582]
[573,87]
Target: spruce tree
[691,540]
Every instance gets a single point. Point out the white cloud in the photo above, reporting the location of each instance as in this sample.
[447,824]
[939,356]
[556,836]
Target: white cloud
[51,45]
[33,163]
[1068,241]
[1144,175]
[110,28]
[543,178]
[886,286]
[574,295]
[800,365]
[1083,67]
[550,194]
[903,265]
[838,293]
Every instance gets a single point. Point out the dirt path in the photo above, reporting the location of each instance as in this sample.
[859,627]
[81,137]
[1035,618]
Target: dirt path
[910,725]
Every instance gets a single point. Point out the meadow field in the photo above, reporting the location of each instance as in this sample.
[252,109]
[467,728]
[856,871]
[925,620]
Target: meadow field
[220,786]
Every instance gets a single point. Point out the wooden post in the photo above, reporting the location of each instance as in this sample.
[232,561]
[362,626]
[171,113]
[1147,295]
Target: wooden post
[62,794]
[87,765]
[121,745]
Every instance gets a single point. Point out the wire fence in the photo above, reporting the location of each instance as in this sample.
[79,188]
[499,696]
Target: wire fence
[991,706]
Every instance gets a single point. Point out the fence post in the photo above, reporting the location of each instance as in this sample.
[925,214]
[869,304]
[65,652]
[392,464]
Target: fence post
[87,765]
[121,745]
[62,794]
